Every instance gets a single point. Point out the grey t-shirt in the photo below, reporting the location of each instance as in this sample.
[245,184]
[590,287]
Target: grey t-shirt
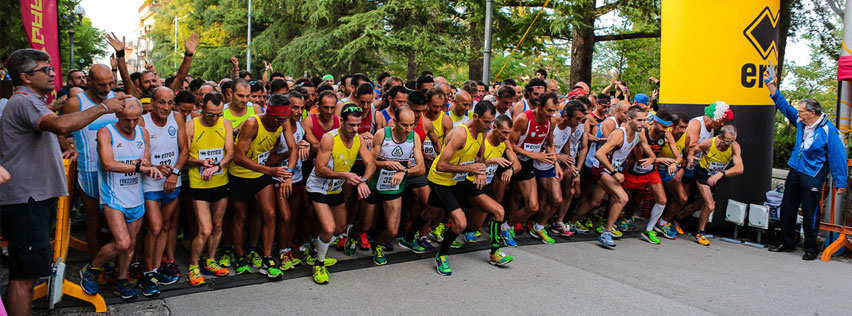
[31,156]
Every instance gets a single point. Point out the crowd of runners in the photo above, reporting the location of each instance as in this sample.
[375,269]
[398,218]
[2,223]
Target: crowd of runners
[264,174]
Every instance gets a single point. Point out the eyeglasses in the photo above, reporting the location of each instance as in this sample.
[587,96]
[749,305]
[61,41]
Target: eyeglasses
[729,142]
[353,109]
[214,115]
[46,70]
[280,119]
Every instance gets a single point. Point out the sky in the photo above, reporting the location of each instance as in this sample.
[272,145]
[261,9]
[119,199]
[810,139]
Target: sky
[115,16]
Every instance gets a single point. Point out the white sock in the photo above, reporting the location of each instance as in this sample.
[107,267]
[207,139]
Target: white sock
[537,226]
[506,226]
[322,249]
[656,212]
[663,222]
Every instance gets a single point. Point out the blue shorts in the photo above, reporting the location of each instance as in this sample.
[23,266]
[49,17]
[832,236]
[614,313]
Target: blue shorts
[130,214]
[88,182]
[162,196]
[664,174]
[549,173]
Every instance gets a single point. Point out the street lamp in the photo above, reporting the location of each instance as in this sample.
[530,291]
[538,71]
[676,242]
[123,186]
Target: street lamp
[76,18]
[174,62]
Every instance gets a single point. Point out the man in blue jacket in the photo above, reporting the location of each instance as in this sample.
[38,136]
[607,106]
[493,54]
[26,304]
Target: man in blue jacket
[818,151]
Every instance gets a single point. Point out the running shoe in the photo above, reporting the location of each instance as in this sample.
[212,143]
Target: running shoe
[470,237]
[212,268]
[477,234]
[581,227]
[193,275]
[631,224]
[350,247]
[615,232]
[458,242]
[149,285]
[170,268]
[442,263]
[89,279]
[437,234]
[701,239]
[242,266]
[677,228]
[255,258]
[379,255]
[124,289]
[286,263]
[363,242]
[541,234]
[339,243]
[270,269]
[329,261]
[561,229]
[605,239]
[651,237]
[165,279]
[226,258]
[413,245]
[666,230]
[320,275]
[423,242]
[500,258]
[135,272]
[508,238]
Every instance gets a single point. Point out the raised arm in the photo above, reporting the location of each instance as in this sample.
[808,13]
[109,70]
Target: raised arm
[119,45]
[191,44]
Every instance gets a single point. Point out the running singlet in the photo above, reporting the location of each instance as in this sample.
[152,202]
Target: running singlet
[392,151]
[533,138]
[385,115]
[575,139]
[164,149]
[716,160]
[341,160]
[85,139]
[282,148]
[491,151]
[317,129]
[236,121]
[620,155]
[421,133]
[591,161]
[457,120]
[464,156]
[657,146]
[259,150]
[703,134]
[428,148]
[667,152]
[208,143]
[507,113]
[122,190]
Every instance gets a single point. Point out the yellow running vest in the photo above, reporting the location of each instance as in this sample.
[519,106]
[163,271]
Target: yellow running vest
[237,120]
[341,160]
[439,129]
[667,152]
[207,143]
[491,151]
[716,160]
[258,151]
[461,157]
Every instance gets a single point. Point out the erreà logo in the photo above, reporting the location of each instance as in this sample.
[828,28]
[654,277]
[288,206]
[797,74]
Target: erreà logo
[762,33]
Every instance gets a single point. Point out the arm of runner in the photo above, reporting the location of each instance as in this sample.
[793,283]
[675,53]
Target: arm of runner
[455,140]
[190,45]
[129,86]
[420,167]
[369,170]
[702,147]
[612,142]
[433,137]
[229,143]
[649,153]
[606,128]
[155,171]
[584,148]
[62,125]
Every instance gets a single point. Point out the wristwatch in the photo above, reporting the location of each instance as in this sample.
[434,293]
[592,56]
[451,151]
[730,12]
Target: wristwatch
[176,171]
[364,180]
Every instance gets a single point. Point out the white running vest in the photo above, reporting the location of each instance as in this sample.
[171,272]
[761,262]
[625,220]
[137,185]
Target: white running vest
[703,134]
[591,161]
[576,138]
[283,148]
[164,149]
[123,189]
[86,138]
[620,155]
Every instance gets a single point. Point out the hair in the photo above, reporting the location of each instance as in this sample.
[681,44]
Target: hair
[157,89]
[169,81]
[424,79]
[470,86]
[228,84]
[305,82]
[401,109]
[509,82]
[255,86]
[184,96]
[382,76]
[811,105]
[277,84]
[387,86]
[325,86]
[358,79]
[316,81]
[135,76]
[534,82]
[364,88]
[586,102]
[427,73]
[24,61]
[215,97]
[603,98]
[506,91]
[344,115]
[433,92]
[296,95]
[241,82]
[503,119]
[136,103]
[679,117]
[664,115]
[279,100]
[390,94]
[417,98]
[276,74]
[542,72]
[483,107]
[326,94]
[343,79]
[71,72]
[480,83]
[542,99]
[243,74]
[727,130]
[634,110]
[300,90]
[411,84]
[573,106]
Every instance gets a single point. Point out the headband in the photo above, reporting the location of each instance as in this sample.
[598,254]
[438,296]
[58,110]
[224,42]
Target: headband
[278,110]
[661,121]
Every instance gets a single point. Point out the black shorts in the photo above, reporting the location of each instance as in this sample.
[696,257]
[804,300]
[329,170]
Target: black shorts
[444,197]
[27,227]
[210,195]
[701,177]
[244,189]
[469,189]
[416,181]
[376,198]
[527,171]
[330,200]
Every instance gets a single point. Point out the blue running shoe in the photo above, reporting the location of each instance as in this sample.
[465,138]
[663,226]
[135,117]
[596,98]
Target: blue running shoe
[149,285]
[508,239]
[165,279]
[424,242]
[89,279]
[606,239]
[470,237]
[666,230]
[124,289]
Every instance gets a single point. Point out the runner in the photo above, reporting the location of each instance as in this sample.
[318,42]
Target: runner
[169,153]
[571,131]
[240,109]
[335,159]
[532,141]
[124,156]
[417,187]
[211,146]
[717,153]
[460,111]
[396,97]
[252,180]
[534,88]
[505,99]
[672,181]
[435,112]
[322,122]
[364,97]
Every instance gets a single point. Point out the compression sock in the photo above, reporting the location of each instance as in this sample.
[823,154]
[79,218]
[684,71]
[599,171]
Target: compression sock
[494,235]
[656,212]
[322,249]
[449,237]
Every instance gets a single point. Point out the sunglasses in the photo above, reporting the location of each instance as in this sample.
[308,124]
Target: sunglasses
[46,70]
[729,142]
[215,114]
[353,109]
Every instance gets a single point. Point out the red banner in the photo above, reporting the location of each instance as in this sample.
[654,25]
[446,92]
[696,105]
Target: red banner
[41,24]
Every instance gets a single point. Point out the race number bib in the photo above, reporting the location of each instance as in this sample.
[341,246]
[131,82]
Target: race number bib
[716,167]
[490,171]
[533,148]
[166,158]
[427,148]
[461,175]
[334,185]
[384,181]
[261,158]
[639,169]
[617,162]
[212,154]
[128,179]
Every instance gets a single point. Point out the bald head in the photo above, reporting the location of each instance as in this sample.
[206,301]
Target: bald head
[552,86]
[462,102]
[440,80]
[161,93]
[100,81]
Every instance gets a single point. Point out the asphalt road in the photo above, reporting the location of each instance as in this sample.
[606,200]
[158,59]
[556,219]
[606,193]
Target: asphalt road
[676,278]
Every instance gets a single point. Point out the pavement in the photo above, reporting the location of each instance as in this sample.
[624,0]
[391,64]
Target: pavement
[576,277]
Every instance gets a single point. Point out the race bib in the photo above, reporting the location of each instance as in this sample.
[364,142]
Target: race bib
[716,167]
[384,181]
[533,148]
[639,169]
[427,147]
[261,158]
[490,171]
[167,158]
[572,150]
[127,179]
[461,175]
[213,154]
[335,185]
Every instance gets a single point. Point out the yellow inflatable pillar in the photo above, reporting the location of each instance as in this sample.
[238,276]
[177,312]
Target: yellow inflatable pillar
[718,50]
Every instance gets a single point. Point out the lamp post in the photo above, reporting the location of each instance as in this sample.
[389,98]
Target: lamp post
[76,18]
[248,46]
[174,63]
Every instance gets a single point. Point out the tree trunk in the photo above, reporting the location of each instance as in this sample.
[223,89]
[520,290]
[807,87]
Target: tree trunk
[412,66]
[475,62]
[583,44]
[784,15]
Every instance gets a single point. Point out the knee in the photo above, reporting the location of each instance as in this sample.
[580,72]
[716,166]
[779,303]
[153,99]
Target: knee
[268,215]
[663,201]
[499,213]
[285,217]
[556,200]
[327,229]
[710,206]
[204,231]
[123,243]
[239,217]
[155,228]
[533,206]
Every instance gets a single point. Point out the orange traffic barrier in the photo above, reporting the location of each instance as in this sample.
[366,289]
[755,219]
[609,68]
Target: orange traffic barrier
[841,229]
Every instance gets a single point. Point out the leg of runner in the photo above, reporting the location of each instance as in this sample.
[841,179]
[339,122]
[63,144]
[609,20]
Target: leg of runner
[529,189]
[419,223]
[491,207]
[154,232]
[255,222]
[362,225]
[171,223]
[392,213]
[596,193]
[553,191]
[568,188]
[93,223]
[238,233]
[617,200]
[656,212]
[326,219]
[419,198]
[205,228]
[285,229]
[678,198]
[266,201]
[707,207]
[217,212]
[456,224]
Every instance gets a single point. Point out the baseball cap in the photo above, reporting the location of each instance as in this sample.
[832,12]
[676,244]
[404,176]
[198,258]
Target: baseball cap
[641,98]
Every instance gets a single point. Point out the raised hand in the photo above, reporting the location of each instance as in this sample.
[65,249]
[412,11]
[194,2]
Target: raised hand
[192,43]
[113,61]
[235,61]
[115,43]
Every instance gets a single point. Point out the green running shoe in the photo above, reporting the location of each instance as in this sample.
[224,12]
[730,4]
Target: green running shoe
[651,237]
[242,266]
[438,233]
[500,258]
[442,263]
[328,261]
[379,255]
[269,269]
[226,258]
[615,232]
[413,245]
[583,226]
[458,242]
[320,275]
[542,235]
[256,259]
[350,247]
